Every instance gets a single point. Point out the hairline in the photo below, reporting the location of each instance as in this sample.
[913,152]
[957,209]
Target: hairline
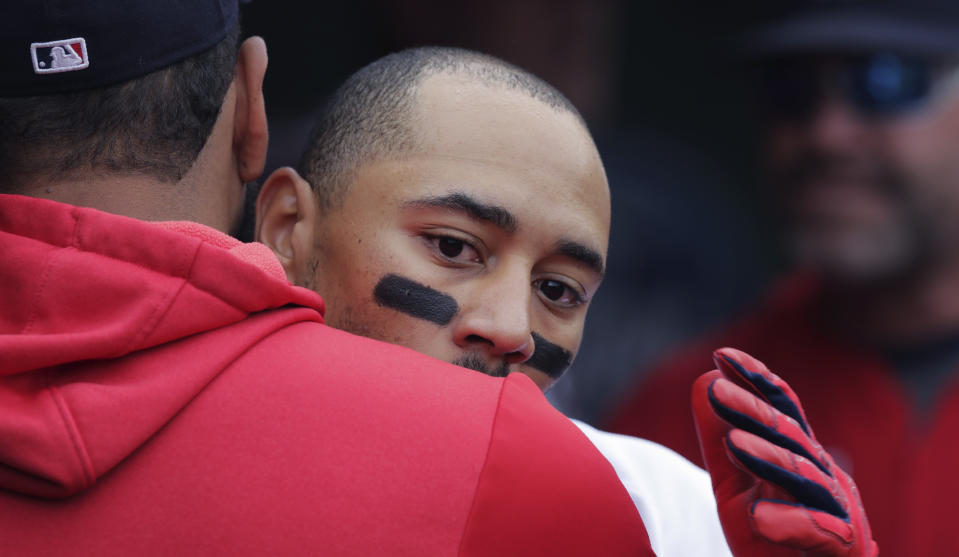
[478,68]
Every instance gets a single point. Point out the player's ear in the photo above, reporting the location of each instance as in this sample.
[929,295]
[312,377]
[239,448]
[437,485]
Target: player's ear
[250,134]
[286,212]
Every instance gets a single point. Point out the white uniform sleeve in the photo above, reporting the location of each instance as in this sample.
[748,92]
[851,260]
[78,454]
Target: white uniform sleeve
[674,496]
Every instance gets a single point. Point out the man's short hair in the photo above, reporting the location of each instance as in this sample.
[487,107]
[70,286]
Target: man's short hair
[153,125]
[367,118]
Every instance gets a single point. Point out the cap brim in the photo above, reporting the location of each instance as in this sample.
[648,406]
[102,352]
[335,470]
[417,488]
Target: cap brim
[851,32]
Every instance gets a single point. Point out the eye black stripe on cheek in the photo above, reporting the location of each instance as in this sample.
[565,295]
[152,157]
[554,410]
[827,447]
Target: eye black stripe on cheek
[415,299]
[549,358]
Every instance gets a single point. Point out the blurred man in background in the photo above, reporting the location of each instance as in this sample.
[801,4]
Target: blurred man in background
[861,145]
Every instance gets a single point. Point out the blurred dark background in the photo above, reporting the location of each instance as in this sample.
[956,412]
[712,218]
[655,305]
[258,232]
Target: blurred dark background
[668,105]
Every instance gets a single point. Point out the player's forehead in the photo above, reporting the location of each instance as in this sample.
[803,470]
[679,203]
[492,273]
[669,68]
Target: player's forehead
[498,151]
[508,147]
[458,113]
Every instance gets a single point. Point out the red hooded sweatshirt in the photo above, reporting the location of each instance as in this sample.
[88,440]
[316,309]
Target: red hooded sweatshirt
[164,390]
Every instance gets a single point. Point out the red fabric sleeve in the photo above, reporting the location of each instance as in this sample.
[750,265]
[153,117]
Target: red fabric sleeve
[562,498]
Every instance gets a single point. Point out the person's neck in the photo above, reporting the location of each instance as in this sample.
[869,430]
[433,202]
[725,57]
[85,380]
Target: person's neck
[912,309]
[137,196]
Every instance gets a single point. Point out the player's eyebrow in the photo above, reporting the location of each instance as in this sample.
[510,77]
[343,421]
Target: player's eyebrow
[504,220]
[584,254]
[458,201]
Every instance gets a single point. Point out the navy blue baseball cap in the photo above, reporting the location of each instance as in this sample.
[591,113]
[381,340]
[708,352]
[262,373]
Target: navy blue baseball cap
[56,46]
[914,27]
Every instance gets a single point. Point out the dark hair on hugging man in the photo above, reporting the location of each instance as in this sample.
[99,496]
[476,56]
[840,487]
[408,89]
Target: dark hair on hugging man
[165,390]
[155,124]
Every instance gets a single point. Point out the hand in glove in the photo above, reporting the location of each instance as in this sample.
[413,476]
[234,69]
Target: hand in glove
[778,492]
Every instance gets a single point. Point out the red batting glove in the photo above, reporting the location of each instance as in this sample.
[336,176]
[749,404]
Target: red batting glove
[778,492]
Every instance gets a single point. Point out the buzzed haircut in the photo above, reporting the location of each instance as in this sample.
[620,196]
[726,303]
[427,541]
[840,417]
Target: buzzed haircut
[368,117]
[153,125]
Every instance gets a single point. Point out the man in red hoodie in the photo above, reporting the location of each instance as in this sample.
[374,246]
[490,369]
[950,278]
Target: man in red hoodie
[165,390]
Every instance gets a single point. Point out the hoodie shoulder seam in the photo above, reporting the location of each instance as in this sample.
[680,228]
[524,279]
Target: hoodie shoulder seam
[76,440]
[44,276]
[479,479]
[156,316]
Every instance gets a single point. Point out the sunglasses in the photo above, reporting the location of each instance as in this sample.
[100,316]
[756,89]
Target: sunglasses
[879,85]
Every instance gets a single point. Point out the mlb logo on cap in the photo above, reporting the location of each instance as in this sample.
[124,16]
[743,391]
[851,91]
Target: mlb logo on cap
[59,56]
[113,41]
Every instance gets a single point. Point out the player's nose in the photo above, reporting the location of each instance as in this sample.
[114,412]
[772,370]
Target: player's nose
[496,318]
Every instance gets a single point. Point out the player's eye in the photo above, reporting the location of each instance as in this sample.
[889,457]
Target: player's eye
[450,247]
[558,292]
[454,249]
